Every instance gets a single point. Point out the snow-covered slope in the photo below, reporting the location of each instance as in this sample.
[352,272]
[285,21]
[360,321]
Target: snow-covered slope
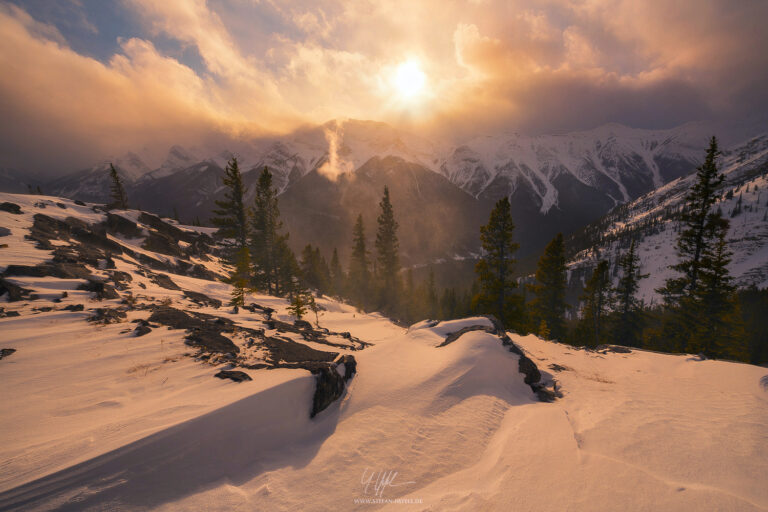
[95,416]
[650,220]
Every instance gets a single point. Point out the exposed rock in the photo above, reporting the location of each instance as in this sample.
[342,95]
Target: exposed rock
[120,279]
[14,291]
[302,324]
[62,206]
[529,369]
[350,365]
[165,228]
[73,307]
[284,350]
[558,367]
[4,231]
[613,348]
[79,202]
[450,338]
[142,328]
[158,242]
[4,313]
[107,316]
[43,309]
[234,375]
[202,299]
[10,208]
[123,226]
[100,288]
[212,341]
[5,352]
[163,281]
[329,387]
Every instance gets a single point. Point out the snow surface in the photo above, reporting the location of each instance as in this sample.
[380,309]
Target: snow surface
[132,423]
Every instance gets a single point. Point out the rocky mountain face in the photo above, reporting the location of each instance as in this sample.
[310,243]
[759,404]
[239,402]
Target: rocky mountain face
[555,183]
[651,221]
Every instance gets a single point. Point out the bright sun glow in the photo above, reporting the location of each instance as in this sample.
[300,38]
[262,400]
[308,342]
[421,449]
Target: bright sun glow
[409,79]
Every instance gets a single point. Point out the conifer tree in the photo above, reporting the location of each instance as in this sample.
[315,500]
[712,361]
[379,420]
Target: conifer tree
[431,296]
[274,262]
[117,192]
[718,328]
[314,269]
[596,302]
[495,268]
[449,304]
[387,252]
[629,326]
[337,275]
[693,239]
[231,216]
[548,305]
[240,277]
[298,304]
[359,266]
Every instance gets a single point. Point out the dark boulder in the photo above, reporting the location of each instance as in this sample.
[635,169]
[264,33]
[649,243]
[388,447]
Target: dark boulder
[79,202]
[456,335]
[234,375]
[350,365]
[529,369]
[10,208]
[4,231]
[164,244]
[302,324]
[73,307]
[169,230]
[328,388]
[5,352]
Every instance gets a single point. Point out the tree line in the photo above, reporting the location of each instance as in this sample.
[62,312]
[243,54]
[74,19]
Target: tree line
[700,313]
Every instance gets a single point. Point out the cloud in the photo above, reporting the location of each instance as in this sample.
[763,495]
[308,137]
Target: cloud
[267,66]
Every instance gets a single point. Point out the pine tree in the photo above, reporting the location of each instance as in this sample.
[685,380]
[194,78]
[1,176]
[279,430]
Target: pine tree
[431,296]
[298,304]
[718,328]
[596,302]
[231,214]
[240,277]
[285,268]
[272,258]
[314,269]
[117,192]
[359,267]
[692,239]
[449,304]
[337,275]
[628,327]
[495,268]
[549,304]
[387,256]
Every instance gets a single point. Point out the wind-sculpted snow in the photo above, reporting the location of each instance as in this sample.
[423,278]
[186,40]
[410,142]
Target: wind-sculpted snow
[95,416]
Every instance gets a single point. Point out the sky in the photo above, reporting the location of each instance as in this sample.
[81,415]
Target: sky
[82,79]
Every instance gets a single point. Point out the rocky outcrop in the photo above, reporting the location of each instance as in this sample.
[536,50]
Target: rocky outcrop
[100,288]
[107,316]
[234,375]
[14,292]
[10,208]
[202,299]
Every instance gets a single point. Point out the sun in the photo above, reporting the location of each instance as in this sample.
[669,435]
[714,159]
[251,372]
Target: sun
[409,79]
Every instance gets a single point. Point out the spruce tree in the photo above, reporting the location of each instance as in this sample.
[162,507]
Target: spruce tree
[117,192]
[495,268]
[387,253]
[596,301]
[359,267]
[337,275]
[718,328]
[628,327]
[548,306]
[240,277]
[272,258]
[693,239]
[231,216]
[433,303]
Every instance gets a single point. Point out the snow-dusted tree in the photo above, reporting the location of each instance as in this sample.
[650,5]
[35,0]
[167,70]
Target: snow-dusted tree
[548,306]
[231,217]
[495,268]
[117,192]
[629,325]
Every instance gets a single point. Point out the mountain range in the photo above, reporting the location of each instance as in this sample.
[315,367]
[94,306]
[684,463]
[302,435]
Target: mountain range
[442,192]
